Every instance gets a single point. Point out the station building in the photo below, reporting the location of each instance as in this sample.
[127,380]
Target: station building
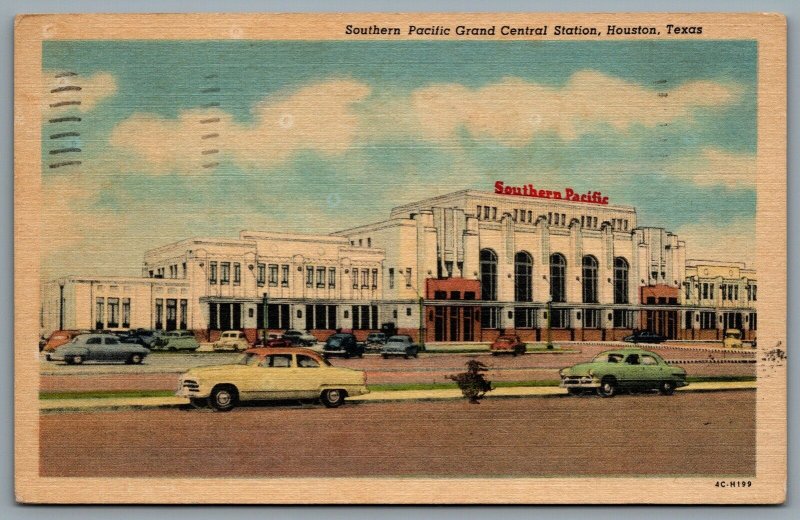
[466,266]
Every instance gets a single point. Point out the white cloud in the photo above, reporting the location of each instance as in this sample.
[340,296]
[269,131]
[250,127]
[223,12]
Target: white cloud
[733,241]
[318,117]
[513,111]
[65,93]
[714,167]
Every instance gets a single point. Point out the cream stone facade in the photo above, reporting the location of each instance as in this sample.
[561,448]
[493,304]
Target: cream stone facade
[466,266]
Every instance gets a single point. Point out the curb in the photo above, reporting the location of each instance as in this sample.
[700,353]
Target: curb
[541,392]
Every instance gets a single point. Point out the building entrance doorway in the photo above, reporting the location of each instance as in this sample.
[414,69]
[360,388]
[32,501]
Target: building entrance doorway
[664,323]
[452,323]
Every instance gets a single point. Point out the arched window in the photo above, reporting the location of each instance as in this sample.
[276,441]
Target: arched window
[523,277]
[558,277]
[589,279]
[488,261]
[620,280]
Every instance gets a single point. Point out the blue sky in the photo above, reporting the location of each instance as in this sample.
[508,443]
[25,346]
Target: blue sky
[318,136]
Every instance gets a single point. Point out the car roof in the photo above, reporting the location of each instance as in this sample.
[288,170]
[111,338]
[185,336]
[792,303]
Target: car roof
[266,351]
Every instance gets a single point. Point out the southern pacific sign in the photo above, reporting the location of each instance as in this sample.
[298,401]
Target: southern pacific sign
[527,190]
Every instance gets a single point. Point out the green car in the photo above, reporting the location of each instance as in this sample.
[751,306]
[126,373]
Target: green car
[177,340]
[625,369]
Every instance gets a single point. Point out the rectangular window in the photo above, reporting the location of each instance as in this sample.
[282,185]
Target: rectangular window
[172,314]
[365,278]
[708,320]
[736,292]
[560,319]
[237,273]
[687,287]
[486,213]
[309,276]
[479,212]
[321,277]
[126,313]
[524,318]
[261,275]
[365,317]
[439,295]
[159,314]
[183,268]
[355,278]
[225,273]
[212,273]
[490,317]
[100,313]
[408,277]
[374,278]
[284,276]
[591,318]
[455,295]
[113,313]
[687,324]
[754,293]
[332,277]
[184,318]
[469,295]
[391,271]
[724,292]
[622,319]
[753,321]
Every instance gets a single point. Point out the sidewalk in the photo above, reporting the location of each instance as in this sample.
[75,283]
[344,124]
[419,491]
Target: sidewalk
[151,403]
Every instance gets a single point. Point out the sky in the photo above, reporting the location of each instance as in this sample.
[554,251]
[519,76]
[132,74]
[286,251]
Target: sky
[206,138]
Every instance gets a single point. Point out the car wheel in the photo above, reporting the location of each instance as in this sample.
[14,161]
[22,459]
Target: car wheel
[333,398]
[608,387]
[223,398]
[347,355]
[666,388]
[77,360]
[136,359]
[416,354]
[67,359]
[520,351]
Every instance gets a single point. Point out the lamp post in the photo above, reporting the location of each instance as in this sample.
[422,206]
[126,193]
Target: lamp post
[422,323]
[549,319]
[266,319]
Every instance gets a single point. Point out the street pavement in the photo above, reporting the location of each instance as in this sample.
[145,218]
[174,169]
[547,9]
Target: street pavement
[136,403]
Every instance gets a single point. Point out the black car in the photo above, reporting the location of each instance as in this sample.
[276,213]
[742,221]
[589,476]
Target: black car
[342,344]
[144,337]
[644,336]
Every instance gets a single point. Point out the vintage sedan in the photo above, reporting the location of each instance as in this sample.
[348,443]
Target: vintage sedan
[400,346]
[271,374]
[644,336]
[98,347]
[177,340]
[625,369]
[231,340]
[508,345]
[300,338]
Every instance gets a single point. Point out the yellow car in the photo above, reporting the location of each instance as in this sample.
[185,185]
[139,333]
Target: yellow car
[272,374]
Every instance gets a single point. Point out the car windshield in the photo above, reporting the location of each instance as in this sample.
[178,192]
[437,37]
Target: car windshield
[396,340]
[505,340]
[608,358]
[334,342]
[249,359]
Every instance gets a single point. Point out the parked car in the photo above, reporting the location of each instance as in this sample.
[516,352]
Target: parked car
[177,340]
[144,337]
[733,339]
[300,337]
[400,346]
[629,369]
[98,347]
[232,340]
[508,345]
[279,343]
[374,341]
[376,338]
[343,344]
[60,337]
[644,336]
[267,373]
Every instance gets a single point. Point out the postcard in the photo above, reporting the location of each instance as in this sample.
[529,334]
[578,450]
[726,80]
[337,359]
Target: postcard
[400,258]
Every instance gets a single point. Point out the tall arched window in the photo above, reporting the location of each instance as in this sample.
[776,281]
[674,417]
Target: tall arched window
[589,279]
[558,277]
[488,262]
[620,280]
[523,277]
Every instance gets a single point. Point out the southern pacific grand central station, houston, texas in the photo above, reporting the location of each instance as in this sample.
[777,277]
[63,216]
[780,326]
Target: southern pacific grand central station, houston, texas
[465,267]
